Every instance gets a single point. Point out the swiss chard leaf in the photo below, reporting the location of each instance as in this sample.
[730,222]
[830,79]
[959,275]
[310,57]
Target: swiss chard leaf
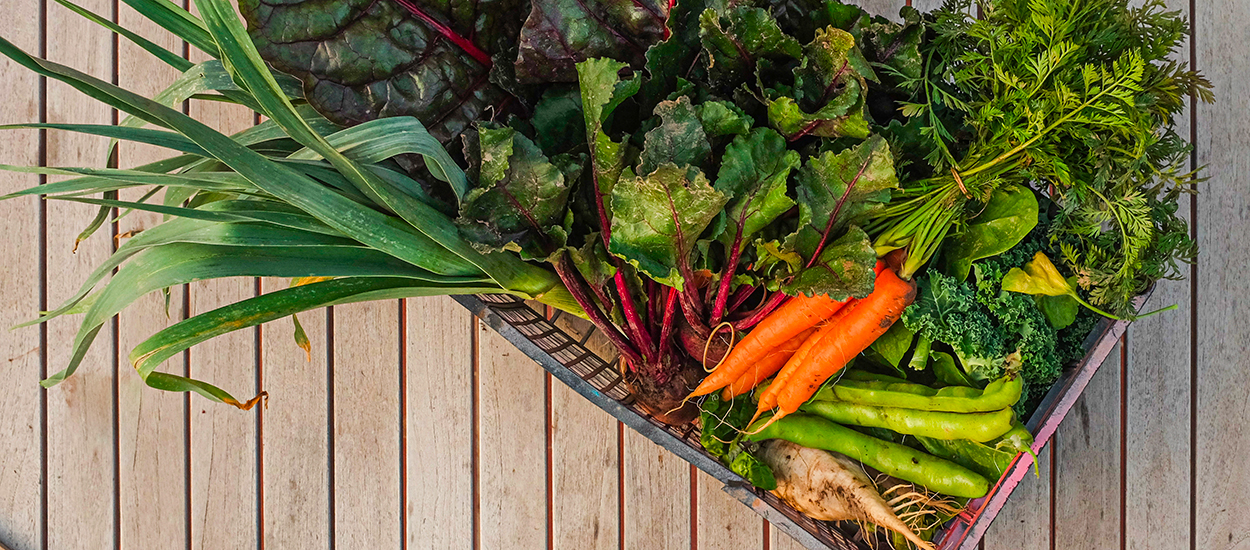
[602,92]
[365,59]
[561,33]
[896,46]
[657,219]
[836,190]
[520,200]
[669,60]
[723,119]
[593,261]
[735,42]
[558,121]
[679,138]
[830,89]
[754,172]
[843,270]
[892,46]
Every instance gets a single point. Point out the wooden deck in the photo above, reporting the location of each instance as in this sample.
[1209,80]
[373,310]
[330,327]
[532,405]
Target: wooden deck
[415,426]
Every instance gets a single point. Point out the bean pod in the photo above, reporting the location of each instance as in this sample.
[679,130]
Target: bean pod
[980,427]
[899,461]
[883,391]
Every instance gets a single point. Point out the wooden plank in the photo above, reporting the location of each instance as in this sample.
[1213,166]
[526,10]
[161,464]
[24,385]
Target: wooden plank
[586,477]
[1087,457]
[1024,523]
[657,496]
[512,442]
[1157,413]
[925,5]
[779,540]
[723,522]
[651,484]
[224,464]
[296,459]
[1222,475]
[887,8]
[439,423]
[21,418]
[367,503]
[152,427]
[81,454]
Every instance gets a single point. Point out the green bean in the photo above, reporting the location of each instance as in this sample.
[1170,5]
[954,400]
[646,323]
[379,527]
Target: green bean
[988,459]
[899,461]
[884,391]
[981,426]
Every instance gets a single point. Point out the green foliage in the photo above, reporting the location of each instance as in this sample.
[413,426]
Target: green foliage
[836,190]
[560,33]
[360,60]
[657,218]
[829,93]
[736,39]
[1008,217]
[1075,98]
[521,197]
[754,172]
[843,270]
[722,423]
[947,310]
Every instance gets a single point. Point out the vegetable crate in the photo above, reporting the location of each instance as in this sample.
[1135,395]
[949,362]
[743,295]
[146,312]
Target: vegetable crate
[599,380]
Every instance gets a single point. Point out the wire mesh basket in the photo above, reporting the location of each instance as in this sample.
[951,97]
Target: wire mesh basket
[597,377]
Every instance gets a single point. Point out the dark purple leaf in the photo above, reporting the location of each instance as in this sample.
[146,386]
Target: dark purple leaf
[365,59]
[561,33]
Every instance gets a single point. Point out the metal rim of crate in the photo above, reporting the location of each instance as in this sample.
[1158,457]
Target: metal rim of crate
[600,382]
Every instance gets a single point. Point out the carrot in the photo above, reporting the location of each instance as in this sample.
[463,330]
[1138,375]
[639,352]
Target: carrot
[863,324]
[768,398]
[766,367]
[795,316]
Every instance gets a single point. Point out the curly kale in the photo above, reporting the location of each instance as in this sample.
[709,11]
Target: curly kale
[947,310]
[1025,327]
[989,328]
[1044,351]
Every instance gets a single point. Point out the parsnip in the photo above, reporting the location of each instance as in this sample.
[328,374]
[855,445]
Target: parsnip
[830,487]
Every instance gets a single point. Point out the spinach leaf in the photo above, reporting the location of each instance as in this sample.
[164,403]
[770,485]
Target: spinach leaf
[1007,218]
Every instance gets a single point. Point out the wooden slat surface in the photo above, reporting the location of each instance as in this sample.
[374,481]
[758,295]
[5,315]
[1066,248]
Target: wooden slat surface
[81,460]
[1221,482]
[431,431]
[152,428]
[296,458]
[439,426]
[22,418]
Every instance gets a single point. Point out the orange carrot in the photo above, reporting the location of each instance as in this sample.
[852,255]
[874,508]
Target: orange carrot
[862,325]
[795,316]
[766,367]
[768,399]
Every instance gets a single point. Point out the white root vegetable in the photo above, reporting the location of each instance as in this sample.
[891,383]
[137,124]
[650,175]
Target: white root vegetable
[830,487]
